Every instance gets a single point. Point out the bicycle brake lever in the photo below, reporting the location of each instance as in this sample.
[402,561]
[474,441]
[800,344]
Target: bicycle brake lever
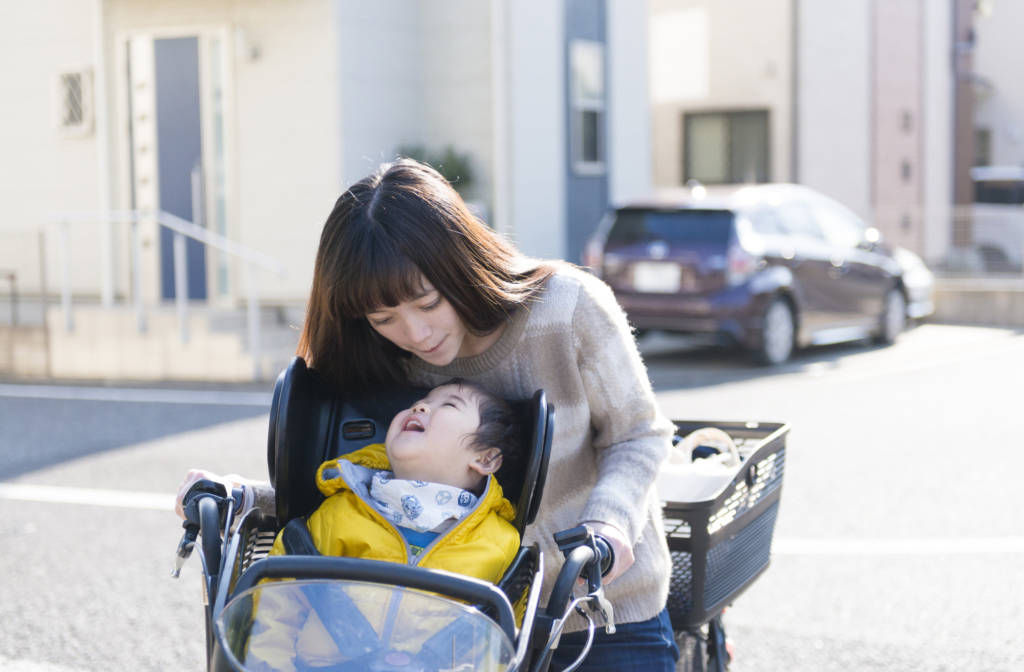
[600,604]
[185,547]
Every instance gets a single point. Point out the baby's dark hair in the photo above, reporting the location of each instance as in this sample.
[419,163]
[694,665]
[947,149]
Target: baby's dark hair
[499,425]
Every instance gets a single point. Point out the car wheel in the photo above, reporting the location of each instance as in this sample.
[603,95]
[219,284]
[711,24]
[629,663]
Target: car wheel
[893,319]
[777,334]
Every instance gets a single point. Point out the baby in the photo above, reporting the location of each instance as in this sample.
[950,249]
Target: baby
[428,496]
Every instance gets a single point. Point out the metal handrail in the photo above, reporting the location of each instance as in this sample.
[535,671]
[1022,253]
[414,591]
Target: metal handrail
[182,229]
[174,223]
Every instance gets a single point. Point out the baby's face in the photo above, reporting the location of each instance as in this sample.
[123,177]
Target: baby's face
[430,441]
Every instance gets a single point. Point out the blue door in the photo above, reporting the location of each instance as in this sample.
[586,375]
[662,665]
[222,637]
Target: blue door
[179,153]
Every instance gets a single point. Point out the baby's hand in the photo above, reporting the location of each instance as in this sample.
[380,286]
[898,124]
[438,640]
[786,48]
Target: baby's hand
[196,475]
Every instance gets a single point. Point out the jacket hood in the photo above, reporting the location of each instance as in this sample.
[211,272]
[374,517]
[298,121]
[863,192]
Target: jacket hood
[355,471]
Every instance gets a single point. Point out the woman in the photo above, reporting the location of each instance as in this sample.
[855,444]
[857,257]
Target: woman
[409,287]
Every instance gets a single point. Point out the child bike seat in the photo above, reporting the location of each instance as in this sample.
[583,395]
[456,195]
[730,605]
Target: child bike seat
[310,423]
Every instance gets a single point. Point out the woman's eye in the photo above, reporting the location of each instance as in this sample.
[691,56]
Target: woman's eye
[435,304]
[381,323]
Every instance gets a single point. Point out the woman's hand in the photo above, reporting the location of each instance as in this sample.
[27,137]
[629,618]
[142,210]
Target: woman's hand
[620,546]
[195,475]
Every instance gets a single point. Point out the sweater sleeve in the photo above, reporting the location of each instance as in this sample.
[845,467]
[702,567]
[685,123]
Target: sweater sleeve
[631,437]
[265,498]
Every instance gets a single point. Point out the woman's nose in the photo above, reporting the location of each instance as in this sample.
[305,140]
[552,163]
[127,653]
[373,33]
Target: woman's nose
[419,331]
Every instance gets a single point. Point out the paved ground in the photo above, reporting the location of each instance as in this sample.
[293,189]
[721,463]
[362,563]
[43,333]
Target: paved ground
[899,546]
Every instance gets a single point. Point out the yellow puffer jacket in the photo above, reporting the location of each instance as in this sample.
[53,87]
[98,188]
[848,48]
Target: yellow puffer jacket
[482,545]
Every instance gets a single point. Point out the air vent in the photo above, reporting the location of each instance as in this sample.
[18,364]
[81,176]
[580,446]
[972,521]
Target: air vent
[358,429]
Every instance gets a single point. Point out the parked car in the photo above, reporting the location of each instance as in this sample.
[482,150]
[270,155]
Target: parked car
[770,267]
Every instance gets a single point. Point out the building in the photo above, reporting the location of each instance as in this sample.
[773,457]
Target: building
[251,117]
[854,98]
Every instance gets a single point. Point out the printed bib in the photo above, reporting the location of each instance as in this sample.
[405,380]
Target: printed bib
[421,506]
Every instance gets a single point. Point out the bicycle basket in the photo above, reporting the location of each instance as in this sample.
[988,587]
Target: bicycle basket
[720,546]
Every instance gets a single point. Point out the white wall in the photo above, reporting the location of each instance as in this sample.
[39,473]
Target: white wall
[537,126]
[834,100]
[40,170]
[455,66]
[381,89]
[629,110]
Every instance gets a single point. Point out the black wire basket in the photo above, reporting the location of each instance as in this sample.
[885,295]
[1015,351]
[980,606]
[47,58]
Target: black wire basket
[720,546]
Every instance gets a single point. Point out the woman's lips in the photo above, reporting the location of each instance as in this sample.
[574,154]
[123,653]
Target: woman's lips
[433,349]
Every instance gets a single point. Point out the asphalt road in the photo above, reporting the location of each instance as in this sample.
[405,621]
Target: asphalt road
[899,544]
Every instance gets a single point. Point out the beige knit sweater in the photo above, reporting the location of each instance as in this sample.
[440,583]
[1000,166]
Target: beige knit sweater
[573,341]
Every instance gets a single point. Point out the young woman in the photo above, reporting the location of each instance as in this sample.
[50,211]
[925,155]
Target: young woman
[409,287]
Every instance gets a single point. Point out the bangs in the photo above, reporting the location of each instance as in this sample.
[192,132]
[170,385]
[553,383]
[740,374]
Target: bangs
[375,274]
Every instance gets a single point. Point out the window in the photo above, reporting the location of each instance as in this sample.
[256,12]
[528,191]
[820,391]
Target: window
[1005,192]
[796,220]
[841,227]
[982,146]
[766,222]
[586,61]
[725,147]
[73,102]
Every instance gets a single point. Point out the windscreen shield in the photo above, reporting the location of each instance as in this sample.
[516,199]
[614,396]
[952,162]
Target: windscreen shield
[674,227]
[352,626]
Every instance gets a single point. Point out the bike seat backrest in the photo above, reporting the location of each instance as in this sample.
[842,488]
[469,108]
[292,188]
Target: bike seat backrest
[311,423]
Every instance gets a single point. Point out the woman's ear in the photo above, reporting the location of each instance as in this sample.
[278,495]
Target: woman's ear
[486,462]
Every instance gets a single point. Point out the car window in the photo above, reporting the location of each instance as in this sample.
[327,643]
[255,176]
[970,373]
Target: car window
[676,226]
[766,222]
[840,227]
[796,220]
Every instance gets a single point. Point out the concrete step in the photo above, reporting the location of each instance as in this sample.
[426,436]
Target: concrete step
[104,343]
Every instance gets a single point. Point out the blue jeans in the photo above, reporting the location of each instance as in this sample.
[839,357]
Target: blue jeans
[648,646]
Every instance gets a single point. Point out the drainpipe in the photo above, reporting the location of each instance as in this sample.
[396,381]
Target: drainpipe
[963,128]
[99,57]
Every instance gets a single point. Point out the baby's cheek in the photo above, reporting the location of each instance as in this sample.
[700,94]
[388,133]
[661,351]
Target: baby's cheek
[395,426]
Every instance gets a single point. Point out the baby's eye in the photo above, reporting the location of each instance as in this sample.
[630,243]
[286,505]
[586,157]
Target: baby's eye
[449,404]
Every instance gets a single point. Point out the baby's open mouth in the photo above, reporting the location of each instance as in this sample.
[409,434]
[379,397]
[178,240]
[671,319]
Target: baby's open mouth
[412,425]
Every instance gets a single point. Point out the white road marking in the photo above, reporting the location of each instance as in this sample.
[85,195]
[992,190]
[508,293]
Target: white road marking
[214,397]
[843,547]
[88,496]
[11,665]
[882,370]
[849,547]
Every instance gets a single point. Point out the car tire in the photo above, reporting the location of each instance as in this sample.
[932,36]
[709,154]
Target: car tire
[778,334]
[893,318]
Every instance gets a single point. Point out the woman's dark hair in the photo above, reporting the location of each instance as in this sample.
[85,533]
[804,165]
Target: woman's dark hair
[499,425]
[386,230]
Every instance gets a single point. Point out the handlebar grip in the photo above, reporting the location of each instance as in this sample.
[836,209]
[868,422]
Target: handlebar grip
[607,554]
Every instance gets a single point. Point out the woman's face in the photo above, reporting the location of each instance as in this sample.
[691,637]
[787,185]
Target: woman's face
[427,326]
